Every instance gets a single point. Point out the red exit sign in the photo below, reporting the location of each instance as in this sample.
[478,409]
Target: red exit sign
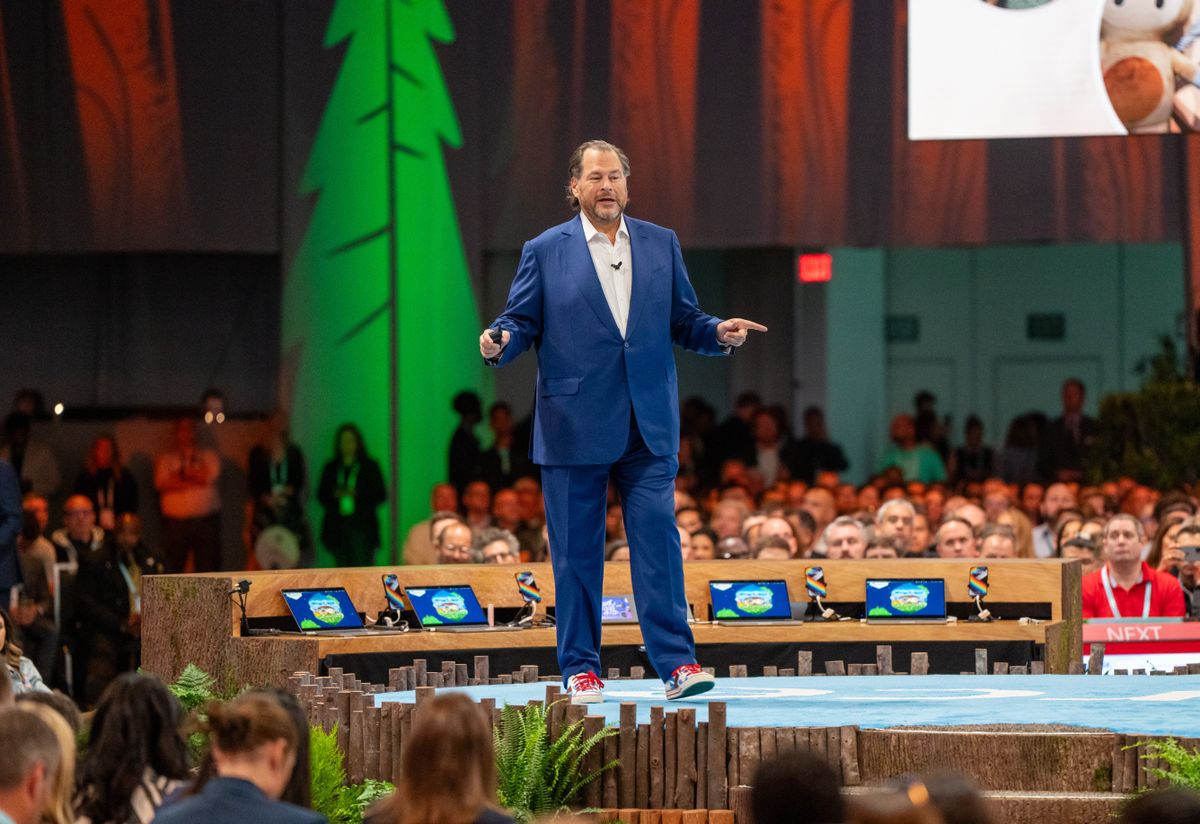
[814,268]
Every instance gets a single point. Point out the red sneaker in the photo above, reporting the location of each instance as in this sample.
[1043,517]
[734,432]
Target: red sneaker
[585,688]
[687,681]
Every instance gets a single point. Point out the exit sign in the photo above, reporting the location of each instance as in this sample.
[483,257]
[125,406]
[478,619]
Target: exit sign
[815,268]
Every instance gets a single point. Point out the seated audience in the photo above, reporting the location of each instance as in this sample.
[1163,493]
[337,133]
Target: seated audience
[1022,530]
[1058,497]
[881,548]
[895,519]
[1125,586]
[80,537]
[922,534]
[772,548]
[447,769]
[496,546]
[780,528]
[704,544]
[454,544]
[60,806]
[1085,550]
[727,518]
[956,539]
[732,549]
[60,702]
[34,610]
[22,674]
[685,543]
[617,550]
[1169,805]
[111,489]
[797,786]
[418,545]
[821,505]
[33,766]
[845,537]
[136,753]
[254,744]
[689,518]
[997,541]
[477,505]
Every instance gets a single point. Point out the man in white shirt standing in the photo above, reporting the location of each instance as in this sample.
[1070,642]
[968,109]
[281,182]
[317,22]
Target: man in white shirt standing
[186,479]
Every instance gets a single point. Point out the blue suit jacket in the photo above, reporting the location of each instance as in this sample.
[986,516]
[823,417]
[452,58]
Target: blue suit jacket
[589,377]
[234,801]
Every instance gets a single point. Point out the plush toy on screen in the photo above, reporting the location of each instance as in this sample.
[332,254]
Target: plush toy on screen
[1144,47]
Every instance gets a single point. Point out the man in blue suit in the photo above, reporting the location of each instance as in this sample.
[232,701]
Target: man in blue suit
[603,298]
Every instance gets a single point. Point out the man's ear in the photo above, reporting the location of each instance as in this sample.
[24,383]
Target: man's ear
[36,784]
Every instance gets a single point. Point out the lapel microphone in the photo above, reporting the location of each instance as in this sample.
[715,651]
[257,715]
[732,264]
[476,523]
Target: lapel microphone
[616,265]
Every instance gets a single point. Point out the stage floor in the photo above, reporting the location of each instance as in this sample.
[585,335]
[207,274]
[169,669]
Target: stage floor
[1131,704]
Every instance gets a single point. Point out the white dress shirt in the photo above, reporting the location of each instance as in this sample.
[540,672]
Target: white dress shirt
[614,268]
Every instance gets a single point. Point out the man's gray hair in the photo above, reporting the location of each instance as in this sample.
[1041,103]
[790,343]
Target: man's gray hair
[894,503]
[1138,528]
[575,165]
[490,536]
[26,741]
[846,520]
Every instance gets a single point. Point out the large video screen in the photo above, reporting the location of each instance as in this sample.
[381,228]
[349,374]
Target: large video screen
[1052,68]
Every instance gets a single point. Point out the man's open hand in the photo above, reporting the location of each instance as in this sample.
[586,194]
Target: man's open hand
[489,348]
[733,332]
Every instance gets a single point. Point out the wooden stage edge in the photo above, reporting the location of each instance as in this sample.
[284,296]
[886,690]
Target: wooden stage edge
[193,618]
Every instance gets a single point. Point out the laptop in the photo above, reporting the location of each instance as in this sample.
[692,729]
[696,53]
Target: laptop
[741,603]
[618,609]
[906,601]
[450,609]
[324,611]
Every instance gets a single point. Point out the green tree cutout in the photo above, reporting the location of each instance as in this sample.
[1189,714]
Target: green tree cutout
[379,317]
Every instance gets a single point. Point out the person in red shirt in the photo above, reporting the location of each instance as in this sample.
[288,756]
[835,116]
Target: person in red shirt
[1126,586]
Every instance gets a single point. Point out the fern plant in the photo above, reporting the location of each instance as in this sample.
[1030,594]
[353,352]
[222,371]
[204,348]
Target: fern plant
[535,775]
[193,688]
[1182,765]
[331,797]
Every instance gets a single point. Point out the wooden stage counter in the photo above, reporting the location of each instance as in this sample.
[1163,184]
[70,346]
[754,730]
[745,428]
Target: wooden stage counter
[193,619]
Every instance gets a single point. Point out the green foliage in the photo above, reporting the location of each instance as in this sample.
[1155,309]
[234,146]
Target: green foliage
[1152,435]
[1182,765]
[193,688]
[331,797]
[535,775]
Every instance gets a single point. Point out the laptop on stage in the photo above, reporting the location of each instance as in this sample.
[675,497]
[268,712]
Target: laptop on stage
[745,603]
[450,609]
[906,601]
[324,611]
[618,609]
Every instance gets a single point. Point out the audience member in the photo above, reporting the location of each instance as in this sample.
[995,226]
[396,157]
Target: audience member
[477,505]
[704,544]
[772,548]
[33,762]
[447,769]
[732,549]
[973,461]
[1084,550]
[845,537]
[59,807]
[1168,805]
[1019,523]
[1165,553]
[895,519]
[418,546]
[922,534]
[685,543]
[734,438]
[727,518]
[997,541]
[772,456]
[80,537]
[689,518]
[1068,438]
[136,753]
[254,745]
[506,510]
[1030,500]
[10,529]
[815,452]
[617,550]
[351,490]
[819,503]
[881,548]
[33,460]
[22,674]
[278,484]
[1125,586]
[781,528]
[60,702]
[796,786]
[956,539]
[969,512]
[34,610]
[496,546]
[1058,497]
[453,544]
[500,464]
[915,461]
[186,480]
[1019,457]
[465,459]
[113,491]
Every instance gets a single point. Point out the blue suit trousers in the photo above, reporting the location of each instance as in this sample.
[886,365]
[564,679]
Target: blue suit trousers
[576,502]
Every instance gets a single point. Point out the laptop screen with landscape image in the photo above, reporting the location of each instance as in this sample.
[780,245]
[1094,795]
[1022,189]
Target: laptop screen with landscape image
[749,600]
[446,606]
[322,610]
[903,598]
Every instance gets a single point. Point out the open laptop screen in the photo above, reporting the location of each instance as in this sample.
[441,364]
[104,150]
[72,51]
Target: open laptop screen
[446,605]
[902,598]
[749,600]
[617,608]
[319,610]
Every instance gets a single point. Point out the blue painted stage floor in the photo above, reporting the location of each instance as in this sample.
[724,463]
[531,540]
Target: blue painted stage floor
[1134,704]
